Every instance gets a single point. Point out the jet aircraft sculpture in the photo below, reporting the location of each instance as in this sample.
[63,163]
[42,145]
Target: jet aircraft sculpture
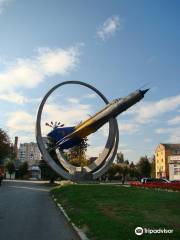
[68,137]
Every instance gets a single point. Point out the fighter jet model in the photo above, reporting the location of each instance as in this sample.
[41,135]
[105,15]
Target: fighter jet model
[68,137]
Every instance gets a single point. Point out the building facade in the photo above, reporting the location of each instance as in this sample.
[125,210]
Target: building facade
[30,153]
[164,154]
[174,167]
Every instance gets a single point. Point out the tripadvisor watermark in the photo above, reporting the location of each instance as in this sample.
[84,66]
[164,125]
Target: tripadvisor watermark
[139,231]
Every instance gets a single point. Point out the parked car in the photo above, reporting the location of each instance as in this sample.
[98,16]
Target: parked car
[175,181]
[155,180]
[162,180]
[143,180]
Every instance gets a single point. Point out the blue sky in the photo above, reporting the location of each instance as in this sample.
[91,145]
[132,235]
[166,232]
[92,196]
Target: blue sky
[117,46]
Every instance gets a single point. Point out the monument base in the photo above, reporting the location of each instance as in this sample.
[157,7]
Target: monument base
[82,176]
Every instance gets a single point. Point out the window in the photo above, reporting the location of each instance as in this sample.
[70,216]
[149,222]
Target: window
[176,151]
[177,171]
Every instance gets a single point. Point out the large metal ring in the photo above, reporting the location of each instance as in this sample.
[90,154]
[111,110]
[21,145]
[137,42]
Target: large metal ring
[100,165]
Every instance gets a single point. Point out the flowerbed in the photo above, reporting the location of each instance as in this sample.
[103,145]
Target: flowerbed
[168,186]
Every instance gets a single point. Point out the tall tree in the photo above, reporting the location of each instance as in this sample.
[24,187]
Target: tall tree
[112,171]
[120,157]
[5,146]
[144,167]
[23,169]
[153,170]
[126,162]
[125,171]
[10,167]
[132,170]
[77,154]
[47,173]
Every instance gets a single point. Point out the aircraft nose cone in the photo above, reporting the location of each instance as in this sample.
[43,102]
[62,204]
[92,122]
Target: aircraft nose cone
[145,91]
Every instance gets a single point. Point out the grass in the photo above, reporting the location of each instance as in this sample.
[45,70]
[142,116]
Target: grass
[107,212]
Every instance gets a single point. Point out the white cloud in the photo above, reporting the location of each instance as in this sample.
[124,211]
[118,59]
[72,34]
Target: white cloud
[73,100]
[127,128]
[27,138]
[147,140]
[65,114]
[13,97]
[105,130]
[127,150]
[58,61]
[29,72]
[17,98]
[173,134]
[148,111]
[174,138]
[95,151]
[124,128]
[108,28]
[20,121]
[54,112]
[174,121]
[161,130]
[90,95]
[3,4]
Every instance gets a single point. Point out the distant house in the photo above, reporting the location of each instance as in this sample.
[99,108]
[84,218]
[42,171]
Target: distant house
[167,161]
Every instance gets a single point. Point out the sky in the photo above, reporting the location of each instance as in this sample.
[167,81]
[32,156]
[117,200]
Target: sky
[117,46]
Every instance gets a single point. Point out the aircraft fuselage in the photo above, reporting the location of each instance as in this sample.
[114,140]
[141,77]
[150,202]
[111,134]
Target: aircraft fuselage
[68,137]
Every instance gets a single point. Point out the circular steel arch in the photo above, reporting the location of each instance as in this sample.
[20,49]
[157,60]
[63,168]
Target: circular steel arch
[102,163]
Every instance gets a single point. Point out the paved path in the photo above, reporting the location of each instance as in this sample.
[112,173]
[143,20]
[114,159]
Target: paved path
[27,212]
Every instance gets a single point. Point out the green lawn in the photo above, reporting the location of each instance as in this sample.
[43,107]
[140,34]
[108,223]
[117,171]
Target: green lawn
[107,212]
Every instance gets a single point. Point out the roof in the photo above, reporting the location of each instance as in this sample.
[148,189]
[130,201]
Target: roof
[171,145]
[34,168]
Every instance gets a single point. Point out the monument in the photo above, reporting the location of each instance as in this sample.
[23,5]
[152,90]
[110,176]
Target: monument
[68,137]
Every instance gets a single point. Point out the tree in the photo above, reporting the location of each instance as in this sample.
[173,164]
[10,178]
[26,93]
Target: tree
[132,170]
[120,157]
[5,146]
[126,162]
[77,154]
[23,169]
[112,171]
[9,165]
[47,173]
[153,170]
[144,167]
[125,171]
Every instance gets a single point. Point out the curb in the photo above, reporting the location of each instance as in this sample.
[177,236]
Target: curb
[79,232]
